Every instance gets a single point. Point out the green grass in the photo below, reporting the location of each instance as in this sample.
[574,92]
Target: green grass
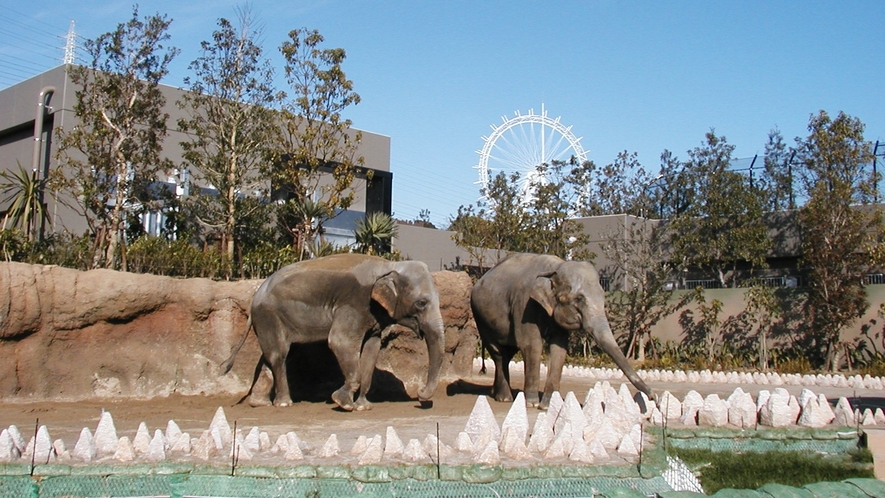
[721,470]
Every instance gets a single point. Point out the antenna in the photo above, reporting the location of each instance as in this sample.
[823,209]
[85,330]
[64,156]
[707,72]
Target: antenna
[70,44]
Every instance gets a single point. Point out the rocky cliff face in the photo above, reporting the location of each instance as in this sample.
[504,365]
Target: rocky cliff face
[69,335]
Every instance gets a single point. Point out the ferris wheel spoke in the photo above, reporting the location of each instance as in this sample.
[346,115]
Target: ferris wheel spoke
[520,144]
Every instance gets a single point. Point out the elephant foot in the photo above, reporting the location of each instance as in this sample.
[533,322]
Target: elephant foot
[344,399]
[255,401]
[535,402]
[503,395]
[362,404]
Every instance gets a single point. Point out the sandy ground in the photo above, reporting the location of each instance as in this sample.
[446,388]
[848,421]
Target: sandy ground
[314,421]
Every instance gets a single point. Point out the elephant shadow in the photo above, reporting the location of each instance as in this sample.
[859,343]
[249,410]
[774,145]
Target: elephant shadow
[314,374]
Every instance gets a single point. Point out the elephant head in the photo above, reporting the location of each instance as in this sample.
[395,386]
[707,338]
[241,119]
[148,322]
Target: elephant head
[574,298]
[409,296]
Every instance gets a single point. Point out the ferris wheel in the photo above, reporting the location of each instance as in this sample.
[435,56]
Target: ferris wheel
[522,143]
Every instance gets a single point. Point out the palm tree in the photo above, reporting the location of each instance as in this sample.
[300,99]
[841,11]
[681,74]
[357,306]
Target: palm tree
[373,235]
[24,192]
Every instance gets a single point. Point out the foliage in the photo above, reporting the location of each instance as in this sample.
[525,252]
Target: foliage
[526,215]
[838,234]
[638,254]
[722,225]
[24,193]
[317,156]
[752,470]
[777,178]
[375,233]
[230,125]
[179,258]
[704,331]
[112,156]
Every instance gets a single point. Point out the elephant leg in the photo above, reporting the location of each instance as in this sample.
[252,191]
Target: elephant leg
[531,355]
[277,363]
[262,384]
[368,358]
[501,356]
[347,352]
[556,359]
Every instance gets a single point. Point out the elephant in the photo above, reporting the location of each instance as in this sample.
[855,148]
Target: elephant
[529,298]
[347,300]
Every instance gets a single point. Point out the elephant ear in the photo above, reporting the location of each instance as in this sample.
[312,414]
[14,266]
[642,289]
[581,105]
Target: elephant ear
[542,292]
[384,292]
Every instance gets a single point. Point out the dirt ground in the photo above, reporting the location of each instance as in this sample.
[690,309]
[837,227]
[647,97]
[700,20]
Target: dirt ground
[314,421]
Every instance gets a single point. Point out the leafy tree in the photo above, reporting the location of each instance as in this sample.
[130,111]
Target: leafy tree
[23,191]
[722,226]
[317,158]
[777,178]
[496,225]
[763,310]
[533,216]
[839,228]
[113,154]
[374,234]
[639,253]
[230,124]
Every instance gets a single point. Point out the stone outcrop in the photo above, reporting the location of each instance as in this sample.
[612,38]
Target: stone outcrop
[143,336]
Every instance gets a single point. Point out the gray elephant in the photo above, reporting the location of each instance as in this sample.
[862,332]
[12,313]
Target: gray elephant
[347,300]
[529,298]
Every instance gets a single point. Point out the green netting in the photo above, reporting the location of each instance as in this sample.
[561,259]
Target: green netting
[191,485]
[803,440]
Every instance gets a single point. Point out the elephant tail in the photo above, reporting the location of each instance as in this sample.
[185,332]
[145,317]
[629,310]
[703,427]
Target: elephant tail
[229,363]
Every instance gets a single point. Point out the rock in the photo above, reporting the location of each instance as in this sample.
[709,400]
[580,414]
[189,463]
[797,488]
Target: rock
[867,418]
[513,444]
[251,441]
[481,420]
[17,440]
[814,415]
[777,411]
[414,453]
[597,450]
[843,414]
[124,452]
[571,414]
[240,450]
[393,445]
[741,409]
[182,444]
[489,455]
[204,447]
[264,441]
[142,439]
[282,444]
[61,453]
[607,435]
[714,412]
[105,438]
[43,451]
[439,451]
[330,448]
[463,443]
[517,419]
[671,407]
[592,407]
[627,447]
[373,452]
[85,448]
[554,408]
[542,435]
[219,424]
[359,447]
[157,448]
[879,416]
[8,451]
[580,452]
[172,431]
[556,450]
[804,397]
[293,449]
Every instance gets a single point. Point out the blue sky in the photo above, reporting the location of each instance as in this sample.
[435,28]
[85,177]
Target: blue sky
[636,76]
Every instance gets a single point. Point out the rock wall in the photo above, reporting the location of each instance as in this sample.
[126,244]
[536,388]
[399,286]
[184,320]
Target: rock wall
[69,335]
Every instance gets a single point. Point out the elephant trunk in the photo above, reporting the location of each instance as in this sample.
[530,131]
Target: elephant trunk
[434,335]
[602,333]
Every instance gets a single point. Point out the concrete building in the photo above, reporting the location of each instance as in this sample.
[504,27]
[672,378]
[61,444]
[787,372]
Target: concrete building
[31,113]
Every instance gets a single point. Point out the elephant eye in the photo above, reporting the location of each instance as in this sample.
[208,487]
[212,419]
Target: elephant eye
[421,304]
